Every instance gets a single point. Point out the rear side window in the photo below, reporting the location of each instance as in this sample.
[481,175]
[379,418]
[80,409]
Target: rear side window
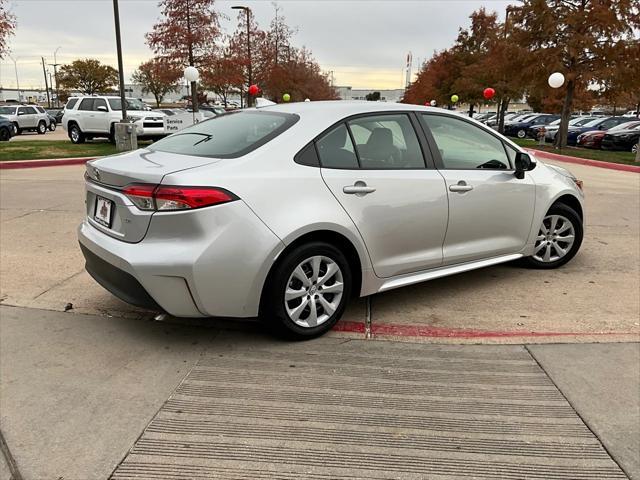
[227,136]
[71,103]
[7,110]
[386,142]
[86,104]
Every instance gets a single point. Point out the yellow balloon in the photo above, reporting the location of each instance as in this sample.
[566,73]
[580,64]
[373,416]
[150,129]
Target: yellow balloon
[454,98]
[286,97]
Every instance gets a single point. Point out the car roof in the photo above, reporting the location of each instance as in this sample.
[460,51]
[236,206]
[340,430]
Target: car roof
[347,107]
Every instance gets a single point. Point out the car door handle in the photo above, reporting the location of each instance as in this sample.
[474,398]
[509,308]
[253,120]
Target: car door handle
[460,187]
[359,188]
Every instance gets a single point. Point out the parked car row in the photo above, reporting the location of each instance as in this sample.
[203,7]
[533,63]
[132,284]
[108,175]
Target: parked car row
[594,131]
[31,118]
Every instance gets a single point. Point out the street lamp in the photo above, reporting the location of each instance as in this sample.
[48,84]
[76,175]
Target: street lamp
[55,74]
[247,10]
[15,66]
[192,75]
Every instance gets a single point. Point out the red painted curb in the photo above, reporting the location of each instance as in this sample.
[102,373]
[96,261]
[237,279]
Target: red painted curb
[585,161]
[43,163]
[441,332]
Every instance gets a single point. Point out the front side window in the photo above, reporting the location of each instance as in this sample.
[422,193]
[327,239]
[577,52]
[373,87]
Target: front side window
[99,102]
[71,103]
[335,149]
[386,142]
[464,146]
[86,104]
[227,136]
[132,104]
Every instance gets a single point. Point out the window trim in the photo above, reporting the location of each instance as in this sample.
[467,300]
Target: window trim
[427,156]
[435,151]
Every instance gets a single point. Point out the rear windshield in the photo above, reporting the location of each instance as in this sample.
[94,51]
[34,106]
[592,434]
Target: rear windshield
[227,136]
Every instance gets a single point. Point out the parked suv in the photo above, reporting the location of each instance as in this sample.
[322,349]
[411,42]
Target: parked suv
[88,117]
[27,117]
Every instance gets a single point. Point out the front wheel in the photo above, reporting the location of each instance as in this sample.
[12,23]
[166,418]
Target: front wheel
[308,291]
[52,127]
[42,128]
[75,134]
[5,134]
[559,238]
[634,148]
[521,133]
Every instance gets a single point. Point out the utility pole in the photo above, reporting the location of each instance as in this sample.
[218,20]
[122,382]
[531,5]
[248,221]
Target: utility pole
[123,100]
[194,92]
[46,85]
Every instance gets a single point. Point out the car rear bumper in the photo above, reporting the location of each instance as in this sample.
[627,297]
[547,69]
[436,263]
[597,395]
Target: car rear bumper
[206,262]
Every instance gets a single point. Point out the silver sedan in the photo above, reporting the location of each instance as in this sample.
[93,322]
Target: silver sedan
[287,211]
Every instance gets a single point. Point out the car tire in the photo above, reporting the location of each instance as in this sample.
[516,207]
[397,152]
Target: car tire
[521,133]
[17,129]
[52,127]
[288,298]
[112,134]
[5,134]
[42,127]
[634,148]
[558,238]
[75,134]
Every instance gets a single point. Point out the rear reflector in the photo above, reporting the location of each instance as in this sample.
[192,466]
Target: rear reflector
[170,198]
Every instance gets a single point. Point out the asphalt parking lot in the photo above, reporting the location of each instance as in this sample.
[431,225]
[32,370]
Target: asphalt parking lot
[103,390]
[593,298]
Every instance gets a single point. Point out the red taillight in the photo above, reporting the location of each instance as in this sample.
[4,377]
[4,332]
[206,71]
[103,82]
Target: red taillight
[168,198]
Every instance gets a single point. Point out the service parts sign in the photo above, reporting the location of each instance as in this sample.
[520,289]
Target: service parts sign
[175,123]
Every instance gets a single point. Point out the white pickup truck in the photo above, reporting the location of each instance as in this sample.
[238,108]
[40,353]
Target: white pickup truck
[95,116]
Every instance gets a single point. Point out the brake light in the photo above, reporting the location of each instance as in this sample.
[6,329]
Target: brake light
[171,198]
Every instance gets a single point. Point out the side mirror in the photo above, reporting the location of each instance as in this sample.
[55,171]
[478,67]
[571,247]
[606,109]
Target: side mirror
[102,108]
[524,163]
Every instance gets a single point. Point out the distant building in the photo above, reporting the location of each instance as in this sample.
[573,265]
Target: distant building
[349,93]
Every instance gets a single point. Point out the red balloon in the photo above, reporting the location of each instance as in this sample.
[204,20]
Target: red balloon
[253,90]
[489,93]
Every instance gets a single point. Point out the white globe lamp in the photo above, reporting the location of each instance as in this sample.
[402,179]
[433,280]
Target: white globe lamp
[191,74]
[556,80]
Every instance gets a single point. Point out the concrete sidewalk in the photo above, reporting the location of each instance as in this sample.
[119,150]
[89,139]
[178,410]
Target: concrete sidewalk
[77,392]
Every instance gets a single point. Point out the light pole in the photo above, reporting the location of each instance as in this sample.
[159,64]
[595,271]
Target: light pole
[123,100]
[55,74]
[247,10]
[15,67]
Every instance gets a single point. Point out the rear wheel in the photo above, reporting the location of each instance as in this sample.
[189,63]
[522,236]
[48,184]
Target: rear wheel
[75,134]
[521,133]
[17,129]
[42,127]
[559,238]
[634,148]
[52,126]
[308,291]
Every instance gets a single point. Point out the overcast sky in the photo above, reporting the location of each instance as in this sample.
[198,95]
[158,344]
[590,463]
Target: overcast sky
[364,42]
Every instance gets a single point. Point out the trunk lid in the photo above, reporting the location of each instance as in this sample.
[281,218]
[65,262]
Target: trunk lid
[112,212]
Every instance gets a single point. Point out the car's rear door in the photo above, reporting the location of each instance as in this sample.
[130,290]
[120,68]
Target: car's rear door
[490,210]
[375,167]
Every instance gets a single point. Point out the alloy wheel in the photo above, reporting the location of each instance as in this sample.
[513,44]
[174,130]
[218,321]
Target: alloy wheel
[555,239]
[75,134]
[314,291]
[42,128]
[522,133]
[634,148]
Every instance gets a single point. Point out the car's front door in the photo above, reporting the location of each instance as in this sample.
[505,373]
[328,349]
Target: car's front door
[490,210]
[27,117]
[387,185]
[99,118]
